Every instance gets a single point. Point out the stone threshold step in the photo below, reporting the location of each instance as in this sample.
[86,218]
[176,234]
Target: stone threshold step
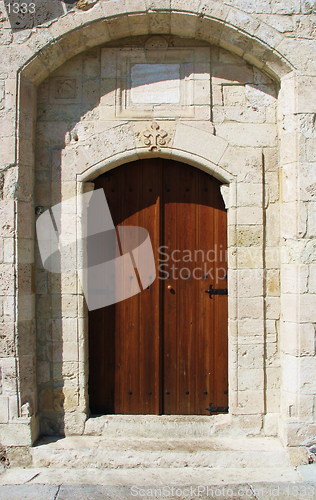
[149,476]
[85,451]
[157,426]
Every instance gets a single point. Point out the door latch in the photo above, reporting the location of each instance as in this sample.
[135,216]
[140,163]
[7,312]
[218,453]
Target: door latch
[216,291]
[217,409]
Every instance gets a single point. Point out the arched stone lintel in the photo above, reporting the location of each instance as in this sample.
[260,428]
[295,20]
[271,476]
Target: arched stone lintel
[67,38]
[123,157]
[199,148]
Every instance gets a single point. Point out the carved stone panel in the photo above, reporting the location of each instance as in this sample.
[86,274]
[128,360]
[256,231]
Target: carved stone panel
[155,82]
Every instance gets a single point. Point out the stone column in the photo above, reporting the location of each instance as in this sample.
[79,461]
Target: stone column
[298,286]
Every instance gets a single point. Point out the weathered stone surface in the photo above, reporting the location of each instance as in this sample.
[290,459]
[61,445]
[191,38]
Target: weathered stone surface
[250,136]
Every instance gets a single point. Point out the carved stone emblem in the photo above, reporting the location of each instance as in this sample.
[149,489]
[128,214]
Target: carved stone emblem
[154,137]
[65,88]
[156,42]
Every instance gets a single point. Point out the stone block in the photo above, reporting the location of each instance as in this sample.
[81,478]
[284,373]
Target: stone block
[270,424]
[7,150]
[7,224]
[159,22]
[66,371]
[246,134]
[306,99]
[7,340]
[25,281]
[108,91]
[312,279]
[249,215]
[242,20]
[272,308]
[43,372]
[74,423]
[307,306]
[7,281]
[261,95]
[232,74]
[273,282]
[250,308]
[306,407]
[310,220]
[249,236]
[250,283]
[272,257]
[69,398]
[64,329]
[289,176]
[4,409]
[198,142]
[307,339]
[70,351]
[289,338]
[15,434]
[251,327]
[272,234]
[234,95]
[45,399]
[294,278]
[249,194]
[249,258]
[250,356]
[272,187]
[290,307]
[251,402]
[272,353]
[311,149]
[307,375]
[245,163]
[26,306]
[307,182]
[9,376]
[290,373]
[250,379]
[44,306]
[64,306]
[64,283]
[183,24]
[245,114]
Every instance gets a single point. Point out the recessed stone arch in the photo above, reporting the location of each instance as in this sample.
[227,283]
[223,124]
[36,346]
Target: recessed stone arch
[257,43]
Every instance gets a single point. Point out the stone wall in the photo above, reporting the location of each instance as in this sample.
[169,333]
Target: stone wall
[258,140]
[85,124]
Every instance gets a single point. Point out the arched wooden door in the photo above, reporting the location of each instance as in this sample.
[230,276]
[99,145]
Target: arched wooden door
[164,351]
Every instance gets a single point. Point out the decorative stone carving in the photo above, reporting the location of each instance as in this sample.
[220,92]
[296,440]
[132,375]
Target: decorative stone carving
[65,88]
[85,4]
[155,137]
[156,42]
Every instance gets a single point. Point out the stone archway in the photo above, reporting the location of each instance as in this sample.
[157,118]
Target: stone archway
[79,154]
[249,43]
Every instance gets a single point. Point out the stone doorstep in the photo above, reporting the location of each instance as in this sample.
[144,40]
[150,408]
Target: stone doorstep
[148,476]
[157,426]
[117,453]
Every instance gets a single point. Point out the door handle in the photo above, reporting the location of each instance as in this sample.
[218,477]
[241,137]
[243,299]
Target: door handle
[216,291]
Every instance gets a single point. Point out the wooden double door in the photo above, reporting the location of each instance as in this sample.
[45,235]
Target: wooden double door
[164,350]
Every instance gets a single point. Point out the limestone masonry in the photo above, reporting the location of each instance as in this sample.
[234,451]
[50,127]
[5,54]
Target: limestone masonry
[231,89]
